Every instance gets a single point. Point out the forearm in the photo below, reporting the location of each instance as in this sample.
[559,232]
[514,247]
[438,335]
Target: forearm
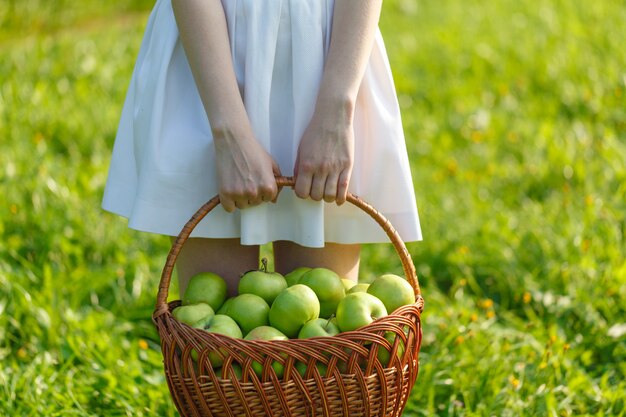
[204,35]
[354,26]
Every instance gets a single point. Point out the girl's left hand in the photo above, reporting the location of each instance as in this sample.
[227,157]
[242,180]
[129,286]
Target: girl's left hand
[325,157]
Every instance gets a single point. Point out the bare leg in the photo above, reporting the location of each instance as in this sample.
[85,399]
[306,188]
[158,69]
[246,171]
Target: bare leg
[225,257]
[343,259]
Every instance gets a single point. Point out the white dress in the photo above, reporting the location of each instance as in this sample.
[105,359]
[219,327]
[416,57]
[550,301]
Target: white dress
[162,166]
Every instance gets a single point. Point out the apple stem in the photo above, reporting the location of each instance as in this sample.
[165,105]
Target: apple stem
[264,262]
[328,322]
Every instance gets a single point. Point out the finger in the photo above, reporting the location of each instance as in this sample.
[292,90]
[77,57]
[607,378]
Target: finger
[254,201]
[303,184]
[317,187]
[296,166]
[330,190]
[251,197]
[227,203]
[267,192]
[241,204]
[276,169]
[342,187]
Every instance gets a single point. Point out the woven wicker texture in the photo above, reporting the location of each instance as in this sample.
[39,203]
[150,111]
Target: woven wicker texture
[367,372]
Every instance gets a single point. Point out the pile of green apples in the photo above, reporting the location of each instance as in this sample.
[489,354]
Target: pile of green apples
[305,303]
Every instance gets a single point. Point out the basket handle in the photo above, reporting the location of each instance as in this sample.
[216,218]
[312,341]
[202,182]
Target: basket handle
[407,263]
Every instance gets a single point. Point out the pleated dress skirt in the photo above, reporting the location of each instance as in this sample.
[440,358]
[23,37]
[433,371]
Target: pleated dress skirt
[163,163]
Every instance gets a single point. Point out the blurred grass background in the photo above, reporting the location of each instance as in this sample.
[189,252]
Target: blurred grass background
[515,114]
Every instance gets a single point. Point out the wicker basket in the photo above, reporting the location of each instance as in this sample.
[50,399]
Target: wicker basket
[324,376]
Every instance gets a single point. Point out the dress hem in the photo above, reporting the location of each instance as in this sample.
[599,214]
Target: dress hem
[381,236]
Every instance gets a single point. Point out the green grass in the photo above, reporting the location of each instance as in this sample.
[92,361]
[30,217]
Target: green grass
[516,123]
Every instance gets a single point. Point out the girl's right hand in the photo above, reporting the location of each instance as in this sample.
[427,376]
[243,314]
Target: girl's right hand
[245,170]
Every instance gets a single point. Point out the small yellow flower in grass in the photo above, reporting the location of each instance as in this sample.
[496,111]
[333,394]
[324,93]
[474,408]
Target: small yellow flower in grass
[463,250]
[566,190]
[566,347]
[552,339]
[543,365]
[13,209]
[514,381]
[474,317]
[488,303]
[527,298]
[463,282]
[143,344]
[459,339]
[470,176]
[452,167]
[588,199]
[21,353]
[491,314]
[585,245]
[512,137]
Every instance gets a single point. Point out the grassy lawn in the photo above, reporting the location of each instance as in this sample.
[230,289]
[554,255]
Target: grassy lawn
[515,114]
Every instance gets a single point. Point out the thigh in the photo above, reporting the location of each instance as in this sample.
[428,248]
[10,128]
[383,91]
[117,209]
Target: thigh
[343,259]
[225,257]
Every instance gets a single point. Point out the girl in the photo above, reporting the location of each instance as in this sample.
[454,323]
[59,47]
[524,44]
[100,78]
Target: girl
[225,95]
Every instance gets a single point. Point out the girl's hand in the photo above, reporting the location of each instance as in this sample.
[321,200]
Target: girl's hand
[245,171]
[326,153]
[325,157]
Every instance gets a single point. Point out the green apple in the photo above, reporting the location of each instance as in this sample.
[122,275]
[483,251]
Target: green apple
[195,315]
[292,308]
[205,287]
[348,283]
[393,291]
[301,368]
[267,333]
[226,373]
[327,286]
[225,325]
[319,327]
[226,306]
[357,310]
[263,283]
[220,324]
[294,276]
[249,311]
[384,355]
[359,288]
[236,371]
